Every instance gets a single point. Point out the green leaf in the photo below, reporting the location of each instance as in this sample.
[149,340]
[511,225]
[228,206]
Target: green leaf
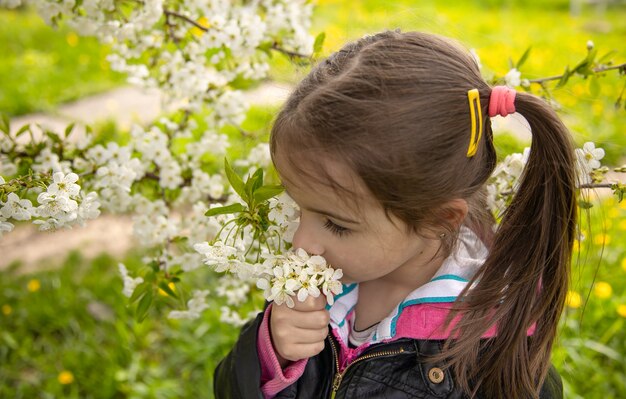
[144,306]
[22,130]
[223,210]
[266,48]
[584,67]
[585,204]
[5,124]
[235,181]
[179,239]
[564,78]
[523,58]
[54,137]
[139,291]
[9,340]
[319,43]
[253,183]
[68,130]
[266,192]
[165,287]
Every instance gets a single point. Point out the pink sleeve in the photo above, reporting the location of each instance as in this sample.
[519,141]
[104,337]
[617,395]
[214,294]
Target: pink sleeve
[273,378]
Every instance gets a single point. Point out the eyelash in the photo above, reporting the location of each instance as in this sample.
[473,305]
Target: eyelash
[335,228]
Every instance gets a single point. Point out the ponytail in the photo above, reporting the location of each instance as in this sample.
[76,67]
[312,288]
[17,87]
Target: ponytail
[521,288]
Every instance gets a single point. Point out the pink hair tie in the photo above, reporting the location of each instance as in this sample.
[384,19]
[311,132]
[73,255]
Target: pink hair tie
[501,101]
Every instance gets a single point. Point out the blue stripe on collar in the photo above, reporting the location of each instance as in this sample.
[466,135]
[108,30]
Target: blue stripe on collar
[450,277]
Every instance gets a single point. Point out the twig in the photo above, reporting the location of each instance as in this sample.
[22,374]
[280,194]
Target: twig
[595,70]
[169,13]
[291,54]
[596,185]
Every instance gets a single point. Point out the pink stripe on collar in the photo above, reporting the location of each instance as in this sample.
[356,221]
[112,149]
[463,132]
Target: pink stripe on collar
[426,321]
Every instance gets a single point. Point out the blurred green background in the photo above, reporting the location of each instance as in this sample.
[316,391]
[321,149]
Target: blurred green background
[65,331]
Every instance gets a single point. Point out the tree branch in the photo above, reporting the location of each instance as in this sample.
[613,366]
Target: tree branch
[595,70]
[185,18]
[289,53]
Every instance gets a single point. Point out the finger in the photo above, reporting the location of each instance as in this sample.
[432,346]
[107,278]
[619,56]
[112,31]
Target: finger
[302,351]
[311,304]
[307,320]
[308,336]
[284,337]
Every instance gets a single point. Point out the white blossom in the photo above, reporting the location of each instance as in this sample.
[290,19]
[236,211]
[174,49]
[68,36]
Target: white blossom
[297,274]
[283,209]
[16,208]
[222,257]
[195,306]
[88,208]
[46,161]
[64,185]
[589,155]
[130,283]
[5,227]
[513,78]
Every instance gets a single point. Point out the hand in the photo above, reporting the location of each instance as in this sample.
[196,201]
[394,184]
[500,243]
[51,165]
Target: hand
[299,333]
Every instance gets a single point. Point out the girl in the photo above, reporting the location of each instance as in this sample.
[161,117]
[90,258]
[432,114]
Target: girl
[386,148]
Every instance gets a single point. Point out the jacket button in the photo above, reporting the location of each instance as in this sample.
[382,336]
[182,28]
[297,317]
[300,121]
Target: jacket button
[436,375]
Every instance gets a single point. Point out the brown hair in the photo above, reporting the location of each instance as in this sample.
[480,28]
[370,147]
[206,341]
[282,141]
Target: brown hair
[393,107]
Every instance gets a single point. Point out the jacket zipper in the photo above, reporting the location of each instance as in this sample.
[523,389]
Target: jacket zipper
[339,375]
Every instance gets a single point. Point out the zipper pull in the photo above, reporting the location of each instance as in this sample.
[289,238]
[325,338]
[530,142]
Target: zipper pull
[336,383]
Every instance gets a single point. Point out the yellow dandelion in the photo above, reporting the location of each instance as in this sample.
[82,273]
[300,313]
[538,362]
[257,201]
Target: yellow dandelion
[603,290]
[33,285]
[172,287]
[621,310]
[613,213]
[622,224]
[602,239]
[65,377]
[573,299]
[624,264]
[72,39]
[576,246]
[578,89]
[7,310]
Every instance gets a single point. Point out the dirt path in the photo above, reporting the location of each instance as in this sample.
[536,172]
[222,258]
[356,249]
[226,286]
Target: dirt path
[108,233]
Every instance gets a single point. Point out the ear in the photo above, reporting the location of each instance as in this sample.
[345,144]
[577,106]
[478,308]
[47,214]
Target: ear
[454,212]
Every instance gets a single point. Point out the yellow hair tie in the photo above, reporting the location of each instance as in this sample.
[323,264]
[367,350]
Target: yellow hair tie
[476,114]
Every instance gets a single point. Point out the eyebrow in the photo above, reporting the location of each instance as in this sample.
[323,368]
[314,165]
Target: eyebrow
[327,213]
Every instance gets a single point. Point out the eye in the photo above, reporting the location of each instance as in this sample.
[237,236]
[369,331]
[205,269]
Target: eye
[335,228]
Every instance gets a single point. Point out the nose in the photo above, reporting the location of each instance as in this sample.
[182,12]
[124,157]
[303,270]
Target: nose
[305,238]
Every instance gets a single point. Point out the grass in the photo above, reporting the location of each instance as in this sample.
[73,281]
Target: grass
[74,321]
[42,67]
[591,350]
[67,333]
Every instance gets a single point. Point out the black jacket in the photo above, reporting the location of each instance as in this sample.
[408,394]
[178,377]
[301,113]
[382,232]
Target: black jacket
[394,370]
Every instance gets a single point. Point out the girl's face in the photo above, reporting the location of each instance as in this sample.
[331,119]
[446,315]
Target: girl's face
[361,240]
